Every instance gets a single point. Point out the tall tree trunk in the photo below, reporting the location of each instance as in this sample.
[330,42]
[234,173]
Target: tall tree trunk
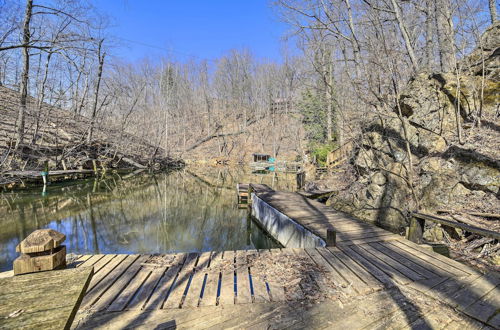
[445,34]
[406,37]
[355,43]
[76,92]
[493,11]
[329,100]
[41,97]
[336,121]
[97,88]
[23,93]
[84,96]
[429,35]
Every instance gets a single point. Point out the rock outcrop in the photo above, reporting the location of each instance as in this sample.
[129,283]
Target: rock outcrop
[454,135]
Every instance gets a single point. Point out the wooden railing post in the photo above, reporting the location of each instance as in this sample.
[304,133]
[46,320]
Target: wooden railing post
[331,237]
[416,230]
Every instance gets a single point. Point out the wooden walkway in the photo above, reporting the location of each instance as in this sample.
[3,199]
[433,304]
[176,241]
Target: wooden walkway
[194,281]
[371,279]
[318,218]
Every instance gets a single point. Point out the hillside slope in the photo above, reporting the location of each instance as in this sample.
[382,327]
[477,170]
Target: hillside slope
[281,135]
[61,140]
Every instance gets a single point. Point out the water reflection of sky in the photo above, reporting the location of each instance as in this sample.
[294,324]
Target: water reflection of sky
[180,211]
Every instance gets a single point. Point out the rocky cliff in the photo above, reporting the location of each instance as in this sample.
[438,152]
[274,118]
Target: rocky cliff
[453,132]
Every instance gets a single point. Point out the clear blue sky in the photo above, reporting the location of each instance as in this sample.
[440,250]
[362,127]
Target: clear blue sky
[202,28]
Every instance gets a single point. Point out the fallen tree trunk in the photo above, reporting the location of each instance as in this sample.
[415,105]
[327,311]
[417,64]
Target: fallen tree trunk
[208,138]
[133,163]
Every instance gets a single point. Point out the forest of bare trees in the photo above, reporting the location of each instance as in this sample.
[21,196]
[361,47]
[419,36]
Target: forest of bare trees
[350,60]
[363,53]
[60,54]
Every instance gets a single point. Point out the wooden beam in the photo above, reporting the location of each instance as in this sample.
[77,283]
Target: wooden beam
[446,222]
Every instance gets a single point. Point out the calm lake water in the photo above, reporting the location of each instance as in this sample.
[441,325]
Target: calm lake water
[194,209]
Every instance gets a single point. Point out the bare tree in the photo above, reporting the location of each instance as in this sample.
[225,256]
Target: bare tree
[404,32]
[23,93]
[446,35]
[100,57]
[41,97]
[429,33]
[493,11]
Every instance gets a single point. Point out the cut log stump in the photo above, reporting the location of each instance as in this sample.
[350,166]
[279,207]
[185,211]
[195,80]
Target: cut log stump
[41,251]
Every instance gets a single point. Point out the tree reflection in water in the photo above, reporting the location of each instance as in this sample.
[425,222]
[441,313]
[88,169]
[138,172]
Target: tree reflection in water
[190,210]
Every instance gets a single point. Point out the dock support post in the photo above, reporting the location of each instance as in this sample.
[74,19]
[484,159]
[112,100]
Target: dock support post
[416,230]
[249,198]
[331,237]
[45,173]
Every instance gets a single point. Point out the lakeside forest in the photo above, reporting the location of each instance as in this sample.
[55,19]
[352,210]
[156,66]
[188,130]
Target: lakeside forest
[400,99]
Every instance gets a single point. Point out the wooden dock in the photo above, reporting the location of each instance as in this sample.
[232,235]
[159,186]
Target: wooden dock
[371,279]
[279,166]
[318,218]
[242,193]
[188,283]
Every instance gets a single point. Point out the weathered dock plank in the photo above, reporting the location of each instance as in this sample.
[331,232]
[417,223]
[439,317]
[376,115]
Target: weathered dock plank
[45,300]
[226,289]
[258,283]
[122,290]
[212,282]
[142,296]
[124,297]
[108,276]
[345,272]
[243,290]
[162,289]
[276,289]
[193,295]
[483,309]
[181,282]
[445,264]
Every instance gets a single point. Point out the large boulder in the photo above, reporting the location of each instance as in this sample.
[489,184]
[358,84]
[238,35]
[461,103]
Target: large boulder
[487,55]
[479,176]
[426,106]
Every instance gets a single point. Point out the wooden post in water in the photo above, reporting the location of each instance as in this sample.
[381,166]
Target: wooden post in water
[250,190]
[45,173]
[331,237]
